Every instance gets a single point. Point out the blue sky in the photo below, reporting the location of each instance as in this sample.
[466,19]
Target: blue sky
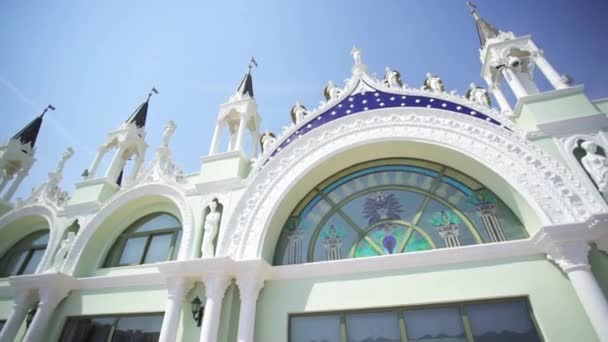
[96,61]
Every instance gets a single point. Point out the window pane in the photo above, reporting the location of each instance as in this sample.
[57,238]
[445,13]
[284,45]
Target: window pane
[437,325]
[41,240]
[138,329]
[14,263]
[380,326]
[87,329]
[158,249]
[2,323]
[498,322]
[315,328]
[162,221]
[134,248]
[33,262]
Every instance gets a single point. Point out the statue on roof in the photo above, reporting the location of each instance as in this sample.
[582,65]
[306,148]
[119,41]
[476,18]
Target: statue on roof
[478,95]
[433,83]
[331,92]
[392,78]
[267,141]
[298,113]
[168,133]
[356,52]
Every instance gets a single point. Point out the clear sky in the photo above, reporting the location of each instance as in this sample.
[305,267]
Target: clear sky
[96,60]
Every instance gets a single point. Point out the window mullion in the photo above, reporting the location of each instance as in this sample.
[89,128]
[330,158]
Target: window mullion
[402,327]
[343,328]
[25,262]
[466,323]
[145,251]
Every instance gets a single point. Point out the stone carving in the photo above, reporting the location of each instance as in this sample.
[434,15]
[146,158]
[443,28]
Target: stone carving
[212,222]
[597,167]
[392,78]
[478,95]
[331,92]
[433,83]
[267,141]
[356,53]
[298,113]
[551,189]
[62,252]
[168,133]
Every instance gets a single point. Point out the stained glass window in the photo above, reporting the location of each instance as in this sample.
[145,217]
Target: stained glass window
[393,206]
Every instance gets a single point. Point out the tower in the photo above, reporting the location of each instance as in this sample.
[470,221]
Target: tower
[505,57]
[17,158]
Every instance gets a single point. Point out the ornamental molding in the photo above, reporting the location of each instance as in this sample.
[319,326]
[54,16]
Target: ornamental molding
[553,192]
[171,193]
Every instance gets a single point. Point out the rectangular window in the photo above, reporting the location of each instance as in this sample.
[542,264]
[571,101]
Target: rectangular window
[505,320]
[136,328]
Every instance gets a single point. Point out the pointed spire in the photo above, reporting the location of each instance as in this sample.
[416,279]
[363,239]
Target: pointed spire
[29,133]
[139,116]
[246,86]
[485,30]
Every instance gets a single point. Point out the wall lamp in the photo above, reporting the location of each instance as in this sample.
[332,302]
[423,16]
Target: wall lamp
[197,310]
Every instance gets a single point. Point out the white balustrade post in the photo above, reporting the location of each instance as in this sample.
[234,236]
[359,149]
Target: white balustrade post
[177,289]
[215,141]
[249,288]
[571,256]
[49,299]
[514,82]
[24,301]
[138,163]
[98,157]
[505,107]
[241,134]
[554,78]
[215,287]
[115,165]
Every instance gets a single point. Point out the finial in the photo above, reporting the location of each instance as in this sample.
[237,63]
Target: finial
[46,109]
[252,63]
[471,6]
[153,91]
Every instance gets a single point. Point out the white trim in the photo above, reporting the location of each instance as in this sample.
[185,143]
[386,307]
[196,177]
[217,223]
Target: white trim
[569,126]
[545,96]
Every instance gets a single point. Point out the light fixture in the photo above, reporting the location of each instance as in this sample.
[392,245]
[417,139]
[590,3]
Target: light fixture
[30,316]
[197,310]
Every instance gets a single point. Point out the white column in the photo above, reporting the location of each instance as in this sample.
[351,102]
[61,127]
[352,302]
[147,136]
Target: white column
[554,78]
[49,299]
[505,107]
[571,256]
[5,180]
[513,80]
[98,157]
[215,141]
[20,176]
[138,162]
[115,165]
[24,300]
[240,134]
[177,289]
[249,288]
[215,287]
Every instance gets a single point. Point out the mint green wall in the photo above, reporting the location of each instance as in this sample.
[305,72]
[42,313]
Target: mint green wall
[107,302]
[396,149]
[189,331]
[556,109]
[17,230]
[601,105]
[599,267]
[556,307]
[230,315]
[98,192]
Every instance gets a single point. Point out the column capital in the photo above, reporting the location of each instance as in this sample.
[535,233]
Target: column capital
[249,285]
[215,285]
[570,255]
[25,297]
[51,296]
[178,287]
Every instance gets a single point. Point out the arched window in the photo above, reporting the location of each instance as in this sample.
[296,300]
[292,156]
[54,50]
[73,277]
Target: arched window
[25,255]
[393,206]
[153,238]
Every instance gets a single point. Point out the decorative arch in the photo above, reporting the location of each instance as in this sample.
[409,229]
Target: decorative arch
[552,193]
[14,226]
[143,192]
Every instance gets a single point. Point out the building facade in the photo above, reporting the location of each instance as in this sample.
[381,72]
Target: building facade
[388,213]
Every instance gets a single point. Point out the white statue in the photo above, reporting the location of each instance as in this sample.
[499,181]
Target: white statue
[268,140]
[62,252]
[331,91]
[356,52]
[597,167]
[210,228]
[298,112]
[478,95]
[392,78]
[168,133]
[433,83]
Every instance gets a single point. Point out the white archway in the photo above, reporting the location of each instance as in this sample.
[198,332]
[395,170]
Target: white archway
[174,195]
[555,195]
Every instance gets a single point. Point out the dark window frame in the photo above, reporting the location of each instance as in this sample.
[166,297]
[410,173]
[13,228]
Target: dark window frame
[25,244]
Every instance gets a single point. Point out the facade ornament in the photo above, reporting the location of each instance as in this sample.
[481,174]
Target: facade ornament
[478,95]
[447,225]
[359,68]
[392,78]
[570,255]
[212,222]
[62,252]
[298,113]
[433,83]
[332,240]
[596,166]
[484,202]
[267,141]
[295,250]
[168,133]
[331,92]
